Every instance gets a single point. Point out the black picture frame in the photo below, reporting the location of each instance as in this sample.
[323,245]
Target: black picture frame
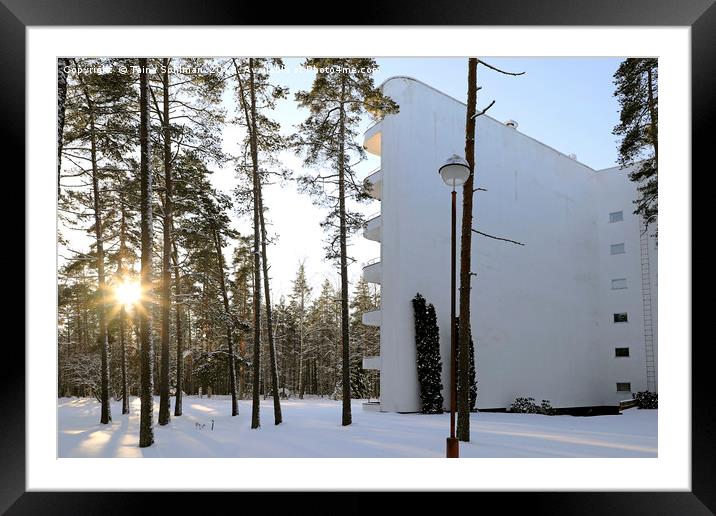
[700,15]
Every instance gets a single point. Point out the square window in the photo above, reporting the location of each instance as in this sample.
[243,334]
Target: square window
[616,216]
[622,317]
[621,352]
[623,387]
[617,249]
[619,284]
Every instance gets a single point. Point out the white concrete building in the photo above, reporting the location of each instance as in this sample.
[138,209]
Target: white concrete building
[546,317]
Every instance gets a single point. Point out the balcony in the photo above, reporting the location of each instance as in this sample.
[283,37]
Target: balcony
[372,271]
[372,363]
[374,184]
[371,139]
[371,318]
[373,227]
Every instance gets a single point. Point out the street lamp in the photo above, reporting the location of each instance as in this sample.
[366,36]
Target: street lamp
[454,172]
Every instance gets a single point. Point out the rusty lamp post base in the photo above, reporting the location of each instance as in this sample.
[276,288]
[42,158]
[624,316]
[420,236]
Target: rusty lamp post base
[453,448]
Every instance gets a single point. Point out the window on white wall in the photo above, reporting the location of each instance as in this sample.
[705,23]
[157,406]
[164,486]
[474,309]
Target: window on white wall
[623,387]
[620,317]
[616,216]
[619,284]
[617,249]
[621,352]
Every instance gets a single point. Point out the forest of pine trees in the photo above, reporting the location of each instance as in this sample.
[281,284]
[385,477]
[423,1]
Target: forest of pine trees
[167,297]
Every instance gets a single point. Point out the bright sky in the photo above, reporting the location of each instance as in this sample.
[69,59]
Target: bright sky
[566,103]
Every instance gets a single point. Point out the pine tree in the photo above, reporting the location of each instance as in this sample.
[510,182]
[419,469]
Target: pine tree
[229,323]
[166,306]
[203,235]
[187,123]
[98,93]
[114,185]
[242,267]
[187,120]
[194,257]
[636,82]
[99,133]
[106,415]
[146,432]
[322,345]
[257,95]
[427,341]
[299,300]
[341,92]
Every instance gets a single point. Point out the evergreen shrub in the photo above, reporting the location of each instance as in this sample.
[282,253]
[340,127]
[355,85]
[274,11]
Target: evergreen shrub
[427,342]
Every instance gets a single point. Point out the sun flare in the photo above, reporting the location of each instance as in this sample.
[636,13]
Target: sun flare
[128,293]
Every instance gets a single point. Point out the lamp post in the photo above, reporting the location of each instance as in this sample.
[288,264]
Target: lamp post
[454,173]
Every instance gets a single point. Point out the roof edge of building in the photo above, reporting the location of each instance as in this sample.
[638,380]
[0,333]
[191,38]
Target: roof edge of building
[409,78]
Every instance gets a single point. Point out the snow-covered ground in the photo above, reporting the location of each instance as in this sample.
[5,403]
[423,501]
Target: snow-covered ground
[312,428]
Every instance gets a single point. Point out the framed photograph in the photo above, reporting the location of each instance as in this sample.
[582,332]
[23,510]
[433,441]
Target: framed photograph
[251,248]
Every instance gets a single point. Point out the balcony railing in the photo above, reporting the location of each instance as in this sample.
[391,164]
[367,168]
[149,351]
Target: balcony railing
[372,261]
[373,175]
[374,184]
[372,217]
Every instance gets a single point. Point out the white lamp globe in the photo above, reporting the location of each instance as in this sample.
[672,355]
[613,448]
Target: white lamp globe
[454,171]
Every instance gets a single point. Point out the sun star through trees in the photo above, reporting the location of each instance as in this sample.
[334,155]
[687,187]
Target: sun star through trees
[128,293]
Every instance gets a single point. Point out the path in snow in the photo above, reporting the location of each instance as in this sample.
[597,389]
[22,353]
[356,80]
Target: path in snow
[311,428]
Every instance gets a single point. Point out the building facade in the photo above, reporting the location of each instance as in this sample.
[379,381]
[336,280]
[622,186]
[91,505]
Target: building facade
[570,317]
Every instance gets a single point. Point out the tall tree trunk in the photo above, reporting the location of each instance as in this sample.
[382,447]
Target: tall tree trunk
[463,402]
[123,311]
[267,295]
[62,62]
[229,326]
[146,432]
[345,343]
[239,370]
[258,202]
[164,415]
[123,344]
[190,362]
[300,349]
[106,413]
[179,331]
[255,418]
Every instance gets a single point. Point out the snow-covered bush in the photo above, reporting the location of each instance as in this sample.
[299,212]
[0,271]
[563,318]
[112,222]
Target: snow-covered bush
[524,406]
[546,408]
[646,399]
[528,406]
[81,374]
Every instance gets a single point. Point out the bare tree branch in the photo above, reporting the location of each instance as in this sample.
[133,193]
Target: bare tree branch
[497,238]
[484,110]
[480,61]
